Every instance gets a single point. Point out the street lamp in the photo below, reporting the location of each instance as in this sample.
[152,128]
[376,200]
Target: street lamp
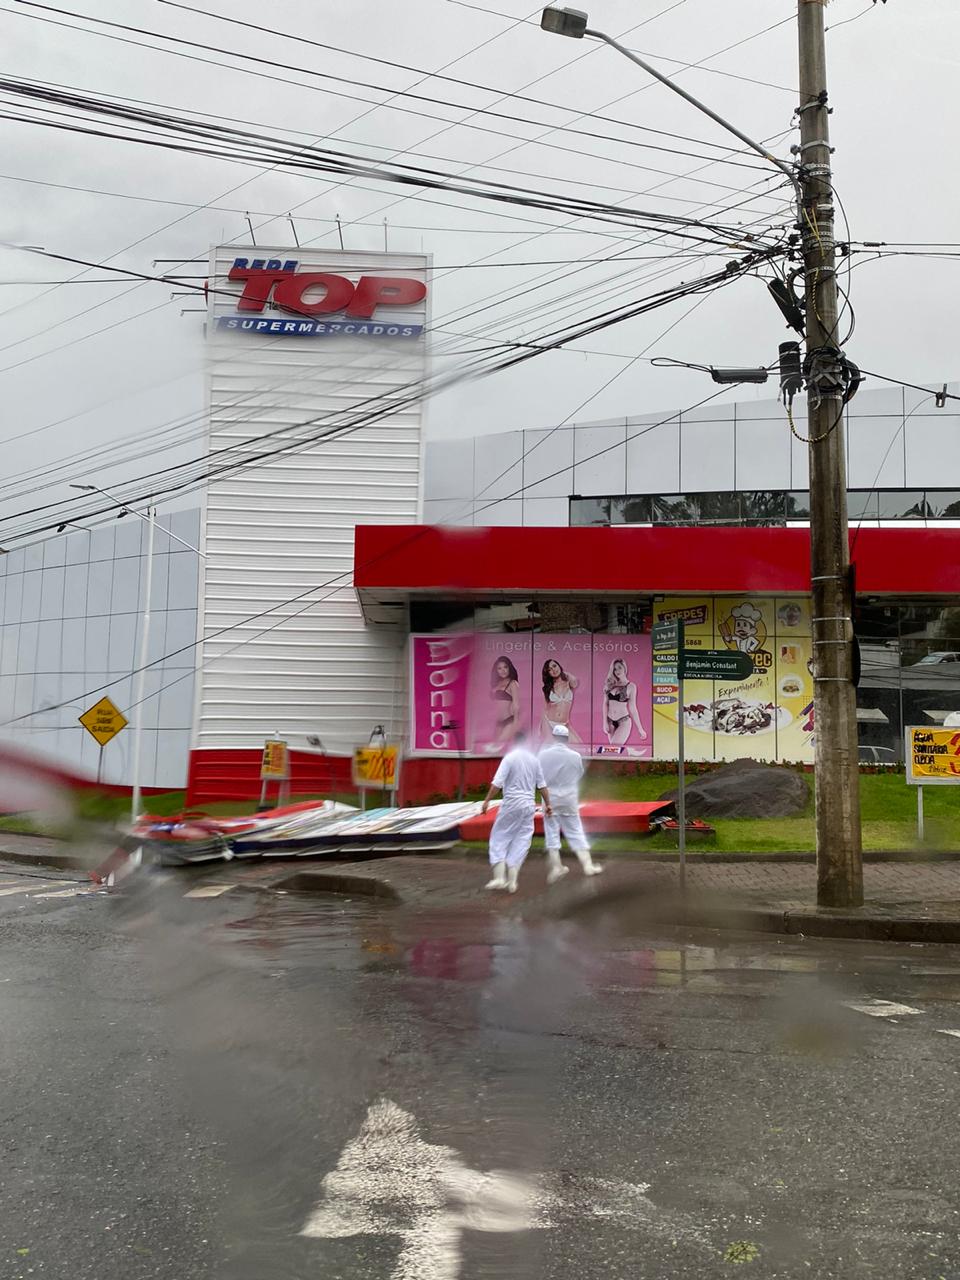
[150,520]
[93,488]
[573,23]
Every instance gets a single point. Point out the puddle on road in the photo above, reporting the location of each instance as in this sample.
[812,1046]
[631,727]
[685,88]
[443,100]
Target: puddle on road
[484,947]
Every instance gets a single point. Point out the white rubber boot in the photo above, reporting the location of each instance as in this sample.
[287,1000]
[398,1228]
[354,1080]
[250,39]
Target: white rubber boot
[513,875]
[590,868]
[555,868]
[499,878]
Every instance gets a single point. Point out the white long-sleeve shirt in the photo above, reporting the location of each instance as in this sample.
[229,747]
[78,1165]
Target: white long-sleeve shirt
[562,770]
[518,776]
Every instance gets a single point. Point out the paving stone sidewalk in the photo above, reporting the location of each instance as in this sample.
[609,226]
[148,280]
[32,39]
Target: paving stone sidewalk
[907,901]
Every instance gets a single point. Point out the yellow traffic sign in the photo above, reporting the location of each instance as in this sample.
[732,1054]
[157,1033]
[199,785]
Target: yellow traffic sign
[103,721]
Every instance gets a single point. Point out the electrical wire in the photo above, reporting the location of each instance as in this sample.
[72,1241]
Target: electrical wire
[207,141]
[415,535]
[912,386]
[676,254]
[435,75]
[43,87]
[766,84]
[883,462]
[869,9]
[432,100]
[80,261]
[589,400]
[246,181]
[412,394]
[502,346]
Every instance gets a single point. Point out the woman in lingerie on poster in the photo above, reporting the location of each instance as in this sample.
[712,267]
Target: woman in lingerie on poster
[620,712]
[505,693]
[558,691]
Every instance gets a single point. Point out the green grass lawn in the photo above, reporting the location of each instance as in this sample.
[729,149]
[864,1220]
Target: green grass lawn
[888,809]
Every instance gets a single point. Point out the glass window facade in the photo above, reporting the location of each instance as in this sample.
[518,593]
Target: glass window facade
[759,507]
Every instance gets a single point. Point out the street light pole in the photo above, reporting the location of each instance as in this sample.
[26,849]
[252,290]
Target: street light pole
[94,488]
[138,699]
[836,776]
[573,23]
[836,770]
[139,696]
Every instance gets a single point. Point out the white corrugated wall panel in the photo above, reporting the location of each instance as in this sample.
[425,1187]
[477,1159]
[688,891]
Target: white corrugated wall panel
[286,647]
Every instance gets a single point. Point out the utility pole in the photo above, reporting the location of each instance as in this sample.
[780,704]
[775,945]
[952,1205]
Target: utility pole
[837,777]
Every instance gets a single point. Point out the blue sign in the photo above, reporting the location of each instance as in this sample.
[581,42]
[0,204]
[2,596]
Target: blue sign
[304,328]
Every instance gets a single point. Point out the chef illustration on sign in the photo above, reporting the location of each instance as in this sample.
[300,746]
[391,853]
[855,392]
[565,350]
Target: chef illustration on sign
[744,629]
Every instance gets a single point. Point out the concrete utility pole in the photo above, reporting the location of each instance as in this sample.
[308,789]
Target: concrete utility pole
[837,777]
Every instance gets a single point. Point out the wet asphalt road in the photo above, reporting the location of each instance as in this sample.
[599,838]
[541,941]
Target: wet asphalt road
[178,1075]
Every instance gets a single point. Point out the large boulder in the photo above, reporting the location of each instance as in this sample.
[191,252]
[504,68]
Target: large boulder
[745,789]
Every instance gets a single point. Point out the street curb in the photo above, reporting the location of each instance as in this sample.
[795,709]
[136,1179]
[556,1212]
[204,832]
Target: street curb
[57,861]
[824,924]
[731,916]
[725,857]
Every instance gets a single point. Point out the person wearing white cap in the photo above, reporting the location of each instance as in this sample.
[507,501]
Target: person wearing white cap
[518,776]
[562,770]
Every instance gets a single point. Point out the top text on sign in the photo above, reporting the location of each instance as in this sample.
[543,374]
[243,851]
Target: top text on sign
[316,293]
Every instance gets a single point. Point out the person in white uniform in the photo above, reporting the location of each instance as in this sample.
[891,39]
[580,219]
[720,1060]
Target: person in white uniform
[562,769]
[518,776]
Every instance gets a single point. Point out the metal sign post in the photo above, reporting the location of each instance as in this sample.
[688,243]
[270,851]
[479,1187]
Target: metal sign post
[920,813]
[667,645]
[681,764]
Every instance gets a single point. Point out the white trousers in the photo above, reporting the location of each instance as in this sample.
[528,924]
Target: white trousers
[565,821]
[512,832]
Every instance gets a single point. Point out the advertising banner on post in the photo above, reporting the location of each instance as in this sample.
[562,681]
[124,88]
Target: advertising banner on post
[764,715]
[377,768]
[932,756]
[275,761]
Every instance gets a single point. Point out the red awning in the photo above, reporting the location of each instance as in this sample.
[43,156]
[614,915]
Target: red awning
[396,562]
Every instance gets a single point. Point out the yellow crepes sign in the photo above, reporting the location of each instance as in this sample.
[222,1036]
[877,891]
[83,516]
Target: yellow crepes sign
[933,755]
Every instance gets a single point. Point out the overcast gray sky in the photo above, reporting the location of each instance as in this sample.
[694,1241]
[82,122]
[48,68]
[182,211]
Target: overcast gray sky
[893,76]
